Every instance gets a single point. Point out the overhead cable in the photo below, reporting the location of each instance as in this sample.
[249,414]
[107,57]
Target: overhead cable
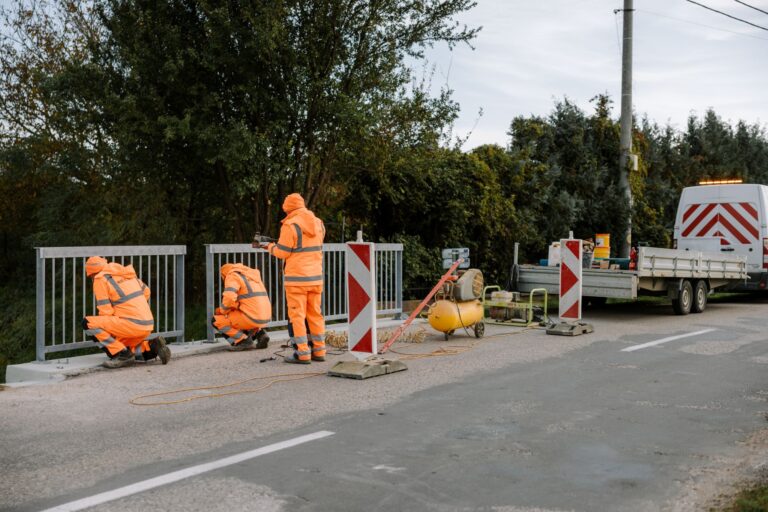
[750,6]
[728,15]
[681,20]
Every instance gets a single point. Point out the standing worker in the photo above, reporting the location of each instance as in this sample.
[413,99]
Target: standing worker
[301,246]
[125,319]
[245,309]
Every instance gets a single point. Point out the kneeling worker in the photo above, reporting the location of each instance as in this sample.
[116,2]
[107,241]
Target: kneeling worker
[125,319]
[301,246]
[245,309]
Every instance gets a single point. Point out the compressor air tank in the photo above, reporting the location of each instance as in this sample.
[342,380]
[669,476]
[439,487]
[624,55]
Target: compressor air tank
[447,316]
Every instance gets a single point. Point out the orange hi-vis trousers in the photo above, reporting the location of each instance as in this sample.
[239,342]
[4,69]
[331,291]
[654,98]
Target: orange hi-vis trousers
[115,334]
[304,310]
[235,325]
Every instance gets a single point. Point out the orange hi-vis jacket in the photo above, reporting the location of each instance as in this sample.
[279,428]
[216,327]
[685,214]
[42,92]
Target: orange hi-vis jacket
[301,246]
[244,291]
[119,292]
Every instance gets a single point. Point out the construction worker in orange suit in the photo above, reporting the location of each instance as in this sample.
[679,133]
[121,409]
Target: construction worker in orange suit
[301,246]
[125,320]
[245,309]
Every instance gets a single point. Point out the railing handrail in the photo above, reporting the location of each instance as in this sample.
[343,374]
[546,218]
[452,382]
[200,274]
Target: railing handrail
[224,248]
[111,250]
[63,298]
[389,273]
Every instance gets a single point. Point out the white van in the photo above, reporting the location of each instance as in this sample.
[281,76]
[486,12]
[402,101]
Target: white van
[730,219]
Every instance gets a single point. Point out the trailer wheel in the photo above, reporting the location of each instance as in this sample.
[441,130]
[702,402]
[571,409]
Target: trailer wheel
[699,297]
[684,301]
[479,329]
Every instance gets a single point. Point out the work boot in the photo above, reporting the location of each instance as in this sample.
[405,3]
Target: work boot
[159,347]
[246,344]
[262,339]
[318,358]
[122,358]
[293,360]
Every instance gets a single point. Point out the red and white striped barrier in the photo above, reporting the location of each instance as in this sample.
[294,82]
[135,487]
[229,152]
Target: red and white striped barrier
[570,280]
[731,222]
[361,297]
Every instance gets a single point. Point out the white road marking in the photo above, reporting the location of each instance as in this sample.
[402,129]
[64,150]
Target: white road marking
[169,478]
[664,340]
[388,469]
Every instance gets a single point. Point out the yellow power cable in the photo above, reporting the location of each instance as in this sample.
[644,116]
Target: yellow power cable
[283,377]
[287,377]
[454,350]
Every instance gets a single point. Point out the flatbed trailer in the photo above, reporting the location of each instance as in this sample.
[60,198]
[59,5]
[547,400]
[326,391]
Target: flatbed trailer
[686,277]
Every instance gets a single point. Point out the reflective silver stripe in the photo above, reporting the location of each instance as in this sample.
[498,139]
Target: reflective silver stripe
[103,302]
[303,352]
[225,308]
[298,339]
[114,284]
[245,282]
[318,348]
[230,334]
[125,298]
[230,289]
[303,278]
[282,248]
[238,336]
[106,342]
[252,294]
[139,322]
[298,236]
[317,337]
[103,343]
[255,320]
[314,248]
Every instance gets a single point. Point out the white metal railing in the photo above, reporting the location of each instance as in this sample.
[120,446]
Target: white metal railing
[65,295]
[389,279]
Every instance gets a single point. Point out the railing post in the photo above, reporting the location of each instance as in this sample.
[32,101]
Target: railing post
[179,281]
[209,290]
[40,307]
[399,284]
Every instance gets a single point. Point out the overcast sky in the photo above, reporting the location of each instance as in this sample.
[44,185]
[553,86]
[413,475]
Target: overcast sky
[529,53]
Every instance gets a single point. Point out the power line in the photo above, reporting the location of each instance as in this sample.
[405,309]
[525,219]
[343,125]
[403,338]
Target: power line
[681,20]
[728,15]
[751,6]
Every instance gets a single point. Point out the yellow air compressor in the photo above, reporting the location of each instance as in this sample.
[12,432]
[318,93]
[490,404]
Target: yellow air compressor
[459,306]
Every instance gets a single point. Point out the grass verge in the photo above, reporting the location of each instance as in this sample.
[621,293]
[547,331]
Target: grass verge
[752,499]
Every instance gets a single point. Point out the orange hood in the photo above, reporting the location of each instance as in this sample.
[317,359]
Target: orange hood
[118,270]
[251,273]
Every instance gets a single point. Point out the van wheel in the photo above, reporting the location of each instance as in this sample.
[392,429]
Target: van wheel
[699,297]
[684,301]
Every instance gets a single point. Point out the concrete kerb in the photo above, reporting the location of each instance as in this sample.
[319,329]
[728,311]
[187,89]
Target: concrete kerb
[57,370]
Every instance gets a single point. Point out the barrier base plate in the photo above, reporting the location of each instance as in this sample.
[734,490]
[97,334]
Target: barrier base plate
[568,329]
[366,369]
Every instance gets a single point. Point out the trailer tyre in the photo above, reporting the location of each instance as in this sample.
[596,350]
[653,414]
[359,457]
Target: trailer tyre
[479,329]
[699,297]
[684,301]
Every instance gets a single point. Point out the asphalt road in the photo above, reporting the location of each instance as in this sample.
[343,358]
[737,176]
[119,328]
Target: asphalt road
[520,422]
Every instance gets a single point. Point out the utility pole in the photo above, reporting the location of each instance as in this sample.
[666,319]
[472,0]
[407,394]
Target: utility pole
[626,124]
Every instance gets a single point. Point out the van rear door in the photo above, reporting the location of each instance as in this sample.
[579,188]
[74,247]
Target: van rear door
[723,218]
